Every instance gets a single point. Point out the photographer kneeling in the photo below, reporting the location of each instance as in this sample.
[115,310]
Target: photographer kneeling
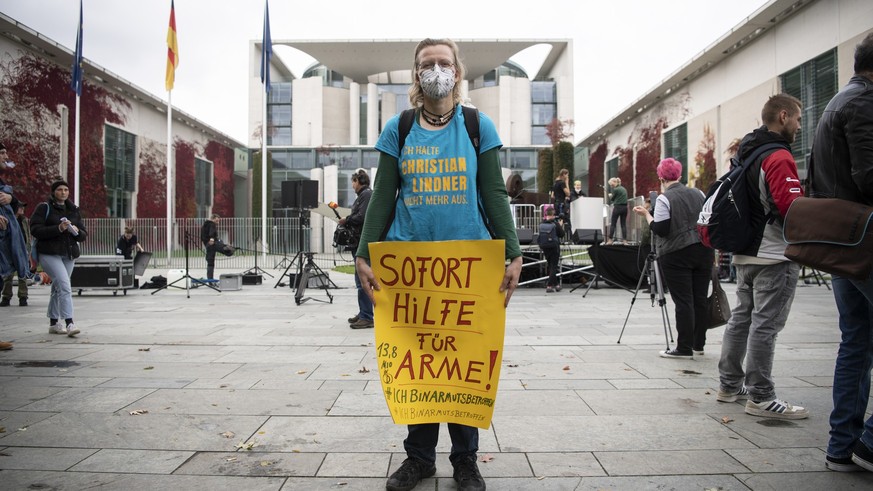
[354,223]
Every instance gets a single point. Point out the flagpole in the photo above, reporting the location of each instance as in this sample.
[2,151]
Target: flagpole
[264,179]
[76,154]
[170,197]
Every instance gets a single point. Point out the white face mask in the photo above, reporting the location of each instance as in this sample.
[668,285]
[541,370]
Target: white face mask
[438,82]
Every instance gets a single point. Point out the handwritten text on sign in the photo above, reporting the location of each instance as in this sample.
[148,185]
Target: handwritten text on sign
[440,323]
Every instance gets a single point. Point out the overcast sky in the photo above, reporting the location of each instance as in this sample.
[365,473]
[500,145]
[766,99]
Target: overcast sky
[622,48]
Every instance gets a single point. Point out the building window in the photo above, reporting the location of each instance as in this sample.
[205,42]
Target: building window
[676,147]
[544,107]
[814,83]
[120,180]
[203,187]
[279,114]
[610,168]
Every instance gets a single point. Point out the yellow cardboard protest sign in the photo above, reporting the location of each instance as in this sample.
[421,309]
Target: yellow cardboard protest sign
[440,322]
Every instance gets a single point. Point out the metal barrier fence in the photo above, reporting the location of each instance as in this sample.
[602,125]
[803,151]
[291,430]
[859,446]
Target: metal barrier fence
[285,237]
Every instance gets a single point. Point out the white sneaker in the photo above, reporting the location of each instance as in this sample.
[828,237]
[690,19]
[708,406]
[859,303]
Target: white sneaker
[697,352]
[57,329]
[776,408]
[724,396]
[71,330]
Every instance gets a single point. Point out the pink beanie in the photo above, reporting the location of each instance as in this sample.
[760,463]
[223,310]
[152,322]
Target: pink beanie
[670,169]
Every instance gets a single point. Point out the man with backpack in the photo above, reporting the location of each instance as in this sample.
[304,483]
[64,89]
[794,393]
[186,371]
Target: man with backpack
[766,279]
[549,239]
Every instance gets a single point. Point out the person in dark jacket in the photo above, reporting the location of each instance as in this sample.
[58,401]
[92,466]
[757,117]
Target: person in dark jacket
[766,279]
[58,232]
[550,244]
[127,243]
[842,167]
[209,237]
[355,223]
[685,262]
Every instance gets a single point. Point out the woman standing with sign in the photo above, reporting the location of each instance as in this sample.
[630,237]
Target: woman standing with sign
[411,203]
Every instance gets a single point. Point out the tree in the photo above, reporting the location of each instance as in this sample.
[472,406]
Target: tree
[545,174]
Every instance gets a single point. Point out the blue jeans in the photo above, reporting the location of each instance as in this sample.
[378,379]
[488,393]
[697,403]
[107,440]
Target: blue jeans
[764,296]
[852,372]
[365,306]
[422,440]
[59,268]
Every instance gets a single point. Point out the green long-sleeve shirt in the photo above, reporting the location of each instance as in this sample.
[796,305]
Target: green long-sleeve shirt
[494,200]
[619,195]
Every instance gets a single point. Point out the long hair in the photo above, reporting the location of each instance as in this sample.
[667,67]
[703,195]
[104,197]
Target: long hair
[416,97]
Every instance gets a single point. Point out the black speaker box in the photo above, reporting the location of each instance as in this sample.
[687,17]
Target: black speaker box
[300,193]
[252,279]
[587,236]
[525,235]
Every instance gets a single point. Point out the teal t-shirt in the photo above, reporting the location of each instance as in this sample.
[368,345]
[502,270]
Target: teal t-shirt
[437,169]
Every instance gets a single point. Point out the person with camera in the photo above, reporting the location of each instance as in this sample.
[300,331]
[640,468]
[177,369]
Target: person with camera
[685,261]
[355,223]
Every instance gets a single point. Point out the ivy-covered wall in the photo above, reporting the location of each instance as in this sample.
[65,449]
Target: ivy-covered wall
[32,91]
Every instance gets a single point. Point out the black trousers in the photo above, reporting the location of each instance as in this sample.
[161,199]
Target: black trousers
[687,275]
[553,254]
[619,214]
[210,260]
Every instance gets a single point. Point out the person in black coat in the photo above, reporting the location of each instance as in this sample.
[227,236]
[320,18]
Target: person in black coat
[355,223]
[57,227]
[209,237]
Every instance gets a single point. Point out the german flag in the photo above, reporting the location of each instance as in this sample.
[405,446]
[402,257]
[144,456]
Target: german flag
[172,49]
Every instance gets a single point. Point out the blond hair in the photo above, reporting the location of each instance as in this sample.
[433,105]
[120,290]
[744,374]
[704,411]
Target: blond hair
[416,97]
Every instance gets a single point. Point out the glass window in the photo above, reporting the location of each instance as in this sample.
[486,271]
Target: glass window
[814,83]
[539,136]
[542,114]
[203,187]
[279,114]
[676,146]
[611,167]
[120,172]
[543,91]
[544,108]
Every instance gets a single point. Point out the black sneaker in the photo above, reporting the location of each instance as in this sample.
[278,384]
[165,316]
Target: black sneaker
[467,474]
[4,302]
[674,353]
[863,456]
[410,473]
[22,302]
[841,464]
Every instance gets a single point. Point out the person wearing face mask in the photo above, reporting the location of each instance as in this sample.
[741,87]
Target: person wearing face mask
[577,192]
[58,228]
[401,211]
[685,262]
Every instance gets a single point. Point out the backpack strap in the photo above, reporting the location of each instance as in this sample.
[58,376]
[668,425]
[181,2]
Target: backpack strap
[766,148]
[471,121]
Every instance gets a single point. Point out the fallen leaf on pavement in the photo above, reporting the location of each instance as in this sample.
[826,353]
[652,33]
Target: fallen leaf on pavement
[363,370]
[726,419]
[266,463]
[137,412]
[247,445]
[301,372]
[512,366]
[566,368]
[145,349]
[230,459]
[149,368]
[486,458]
[228,434]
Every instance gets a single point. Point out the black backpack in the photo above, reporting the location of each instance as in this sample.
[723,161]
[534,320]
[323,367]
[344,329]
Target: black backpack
[724,222]
[547,235]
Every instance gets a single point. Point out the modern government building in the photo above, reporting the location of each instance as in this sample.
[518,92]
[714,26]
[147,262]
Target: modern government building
[322,124]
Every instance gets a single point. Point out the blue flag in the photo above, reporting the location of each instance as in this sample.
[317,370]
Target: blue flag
[76,82]
[267,48]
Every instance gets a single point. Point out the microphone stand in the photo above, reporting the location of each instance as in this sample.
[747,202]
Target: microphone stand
[189,280]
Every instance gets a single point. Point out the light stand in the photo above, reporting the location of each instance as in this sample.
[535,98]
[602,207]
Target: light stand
[306,268]
[189,280]
[656,288]
[255,269]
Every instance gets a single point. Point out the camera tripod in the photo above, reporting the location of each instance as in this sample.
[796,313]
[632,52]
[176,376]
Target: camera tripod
[306,268]
[656,289]
[190,281]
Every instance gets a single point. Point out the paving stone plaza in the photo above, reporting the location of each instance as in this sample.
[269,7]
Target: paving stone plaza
[160,391]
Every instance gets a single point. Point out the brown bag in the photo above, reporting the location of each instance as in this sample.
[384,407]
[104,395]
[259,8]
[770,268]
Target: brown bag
[830,235]
[717,304]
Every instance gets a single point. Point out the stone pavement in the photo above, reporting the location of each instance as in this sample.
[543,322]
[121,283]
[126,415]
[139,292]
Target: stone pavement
[576,410]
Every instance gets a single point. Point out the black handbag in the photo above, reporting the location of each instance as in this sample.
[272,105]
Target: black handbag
[717,304]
